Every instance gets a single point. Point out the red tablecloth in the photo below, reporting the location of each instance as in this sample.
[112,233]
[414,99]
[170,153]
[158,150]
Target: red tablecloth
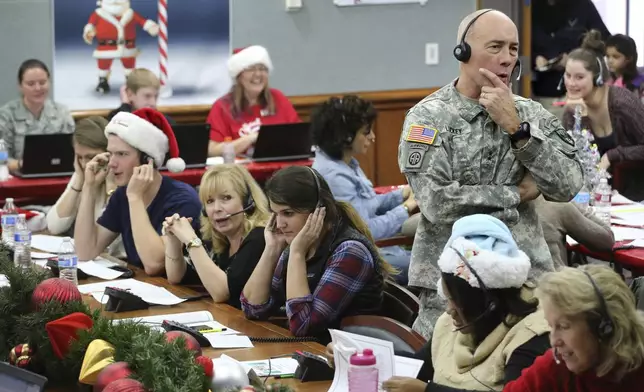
[35,189]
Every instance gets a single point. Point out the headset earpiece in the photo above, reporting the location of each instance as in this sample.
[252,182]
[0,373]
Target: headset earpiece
[518,66]
[605,327]
[249,202]
[463,51]
[599,81]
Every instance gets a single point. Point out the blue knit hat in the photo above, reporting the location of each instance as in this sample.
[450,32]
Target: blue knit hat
[487,245]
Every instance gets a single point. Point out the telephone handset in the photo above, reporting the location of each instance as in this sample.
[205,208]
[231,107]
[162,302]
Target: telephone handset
[145,158]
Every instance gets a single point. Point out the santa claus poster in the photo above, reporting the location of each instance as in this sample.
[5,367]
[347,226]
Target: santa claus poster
[97,43]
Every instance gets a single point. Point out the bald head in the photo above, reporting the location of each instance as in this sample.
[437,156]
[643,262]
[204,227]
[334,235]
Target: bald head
[491,20]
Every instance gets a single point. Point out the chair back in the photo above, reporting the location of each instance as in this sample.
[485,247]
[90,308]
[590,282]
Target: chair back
[404,339]
[399,304]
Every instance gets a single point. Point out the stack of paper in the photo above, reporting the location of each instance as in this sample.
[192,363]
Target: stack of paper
[202,320]
[276,367]
[47,243]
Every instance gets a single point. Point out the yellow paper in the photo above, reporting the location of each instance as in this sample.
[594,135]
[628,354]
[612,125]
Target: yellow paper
[99,354]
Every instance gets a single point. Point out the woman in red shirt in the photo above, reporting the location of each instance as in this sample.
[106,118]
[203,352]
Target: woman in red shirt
[597,335]
[237,116]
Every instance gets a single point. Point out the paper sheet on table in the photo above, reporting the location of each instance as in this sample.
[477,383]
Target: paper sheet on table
[616,198]
[4,282]
[627,233]
[345,344]
[98,270]
[626,222]
[637,243]
[41,255]
[277,366]
[631,212]
[47,243]
[149,293]
[229,341]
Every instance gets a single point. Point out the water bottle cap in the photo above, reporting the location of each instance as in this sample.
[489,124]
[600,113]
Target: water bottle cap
[365,358]
[10,199]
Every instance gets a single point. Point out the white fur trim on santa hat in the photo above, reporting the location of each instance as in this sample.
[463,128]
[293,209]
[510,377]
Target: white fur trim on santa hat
[248,57]
[497,271]
[141,135]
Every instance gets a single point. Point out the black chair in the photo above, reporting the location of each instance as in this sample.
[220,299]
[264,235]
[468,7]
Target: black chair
[399,304]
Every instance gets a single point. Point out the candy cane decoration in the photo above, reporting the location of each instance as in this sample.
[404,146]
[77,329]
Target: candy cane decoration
[166,90]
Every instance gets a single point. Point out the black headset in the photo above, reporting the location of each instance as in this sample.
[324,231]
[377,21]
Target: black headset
[318,188]
[605,328]
[248,206]
[597,82]
[463,51]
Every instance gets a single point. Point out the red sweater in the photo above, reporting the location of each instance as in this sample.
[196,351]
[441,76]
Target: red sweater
[223,125]
[546,376]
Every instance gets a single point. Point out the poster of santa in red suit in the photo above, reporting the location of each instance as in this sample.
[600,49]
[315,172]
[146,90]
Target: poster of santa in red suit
[114,26]
[181,47]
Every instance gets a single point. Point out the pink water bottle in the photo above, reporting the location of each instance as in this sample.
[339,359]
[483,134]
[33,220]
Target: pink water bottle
[363,373]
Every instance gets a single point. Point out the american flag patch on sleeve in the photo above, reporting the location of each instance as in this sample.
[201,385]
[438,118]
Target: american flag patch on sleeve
[421,134]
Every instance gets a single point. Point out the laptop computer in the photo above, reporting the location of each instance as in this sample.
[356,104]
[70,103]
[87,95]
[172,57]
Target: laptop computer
[192,140]
[283,142]
[47,155]
[15,379]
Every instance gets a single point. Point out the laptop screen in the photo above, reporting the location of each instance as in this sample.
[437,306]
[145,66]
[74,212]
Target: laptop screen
[13,379]
[192,140]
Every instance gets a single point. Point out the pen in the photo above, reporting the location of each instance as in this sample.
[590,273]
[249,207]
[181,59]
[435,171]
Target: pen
[284,376]
[213,330]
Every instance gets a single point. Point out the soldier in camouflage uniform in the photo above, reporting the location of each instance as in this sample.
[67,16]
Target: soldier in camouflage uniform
[473,147]
[33,113]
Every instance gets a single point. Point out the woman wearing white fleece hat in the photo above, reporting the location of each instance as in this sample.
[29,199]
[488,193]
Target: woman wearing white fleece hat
[491,329]
[237,116]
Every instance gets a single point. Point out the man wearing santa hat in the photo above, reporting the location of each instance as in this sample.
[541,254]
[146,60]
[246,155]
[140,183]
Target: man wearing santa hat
[137,145]
[114,27]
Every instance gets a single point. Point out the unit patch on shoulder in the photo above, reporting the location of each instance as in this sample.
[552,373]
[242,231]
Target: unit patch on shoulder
[421,134]
[415,155]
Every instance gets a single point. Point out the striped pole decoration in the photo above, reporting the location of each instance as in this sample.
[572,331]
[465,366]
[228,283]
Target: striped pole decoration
[166,90]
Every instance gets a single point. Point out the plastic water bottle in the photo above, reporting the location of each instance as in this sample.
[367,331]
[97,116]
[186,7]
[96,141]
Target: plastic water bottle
[9,218]
[4,160]
[363,373]
[22,243]
[603,195]
[228,152]
[68,261]
[583,198]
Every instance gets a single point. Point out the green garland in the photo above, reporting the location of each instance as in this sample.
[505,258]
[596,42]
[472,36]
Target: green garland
[160,366]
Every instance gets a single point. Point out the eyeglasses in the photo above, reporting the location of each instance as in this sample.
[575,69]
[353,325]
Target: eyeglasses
[257,68]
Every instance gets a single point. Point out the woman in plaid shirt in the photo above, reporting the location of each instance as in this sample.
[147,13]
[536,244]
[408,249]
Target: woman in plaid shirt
[320,261]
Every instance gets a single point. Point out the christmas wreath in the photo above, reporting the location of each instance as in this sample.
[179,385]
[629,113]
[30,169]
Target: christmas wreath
[45,327]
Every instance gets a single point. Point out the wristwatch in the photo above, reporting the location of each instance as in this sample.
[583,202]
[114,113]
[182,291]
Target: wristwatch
[195,243]
[522,134]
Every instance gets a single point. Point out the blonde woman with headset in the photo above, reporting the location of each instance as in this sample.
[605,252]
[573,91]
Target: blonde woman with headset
[597,335]
[234,214]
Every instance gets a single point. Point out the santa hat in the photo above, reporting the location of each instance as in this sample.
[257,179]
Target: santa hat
[148,131]
[247,57]
[487,245]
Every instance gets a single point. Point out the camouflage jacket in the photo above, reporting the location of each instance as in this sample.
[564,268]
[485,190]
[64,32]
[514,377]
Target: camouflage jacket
[459,162]
[16,122]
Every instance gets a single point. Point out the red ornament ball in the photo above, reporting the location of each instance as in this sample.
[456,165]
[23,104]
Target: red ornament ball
[191,343]
[112,372]
[55,289]
[124,385]
[20,356]
[207,365]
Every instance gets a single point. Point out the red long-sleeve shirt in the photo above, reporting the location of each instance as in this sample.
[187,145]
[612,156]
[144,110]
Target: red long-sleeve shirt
[545,375]
[224,125]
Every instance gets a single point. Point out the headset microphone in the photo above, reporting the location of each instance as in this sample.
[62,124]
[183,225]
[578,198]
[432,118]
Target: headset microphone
[554,354]
[225,218]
